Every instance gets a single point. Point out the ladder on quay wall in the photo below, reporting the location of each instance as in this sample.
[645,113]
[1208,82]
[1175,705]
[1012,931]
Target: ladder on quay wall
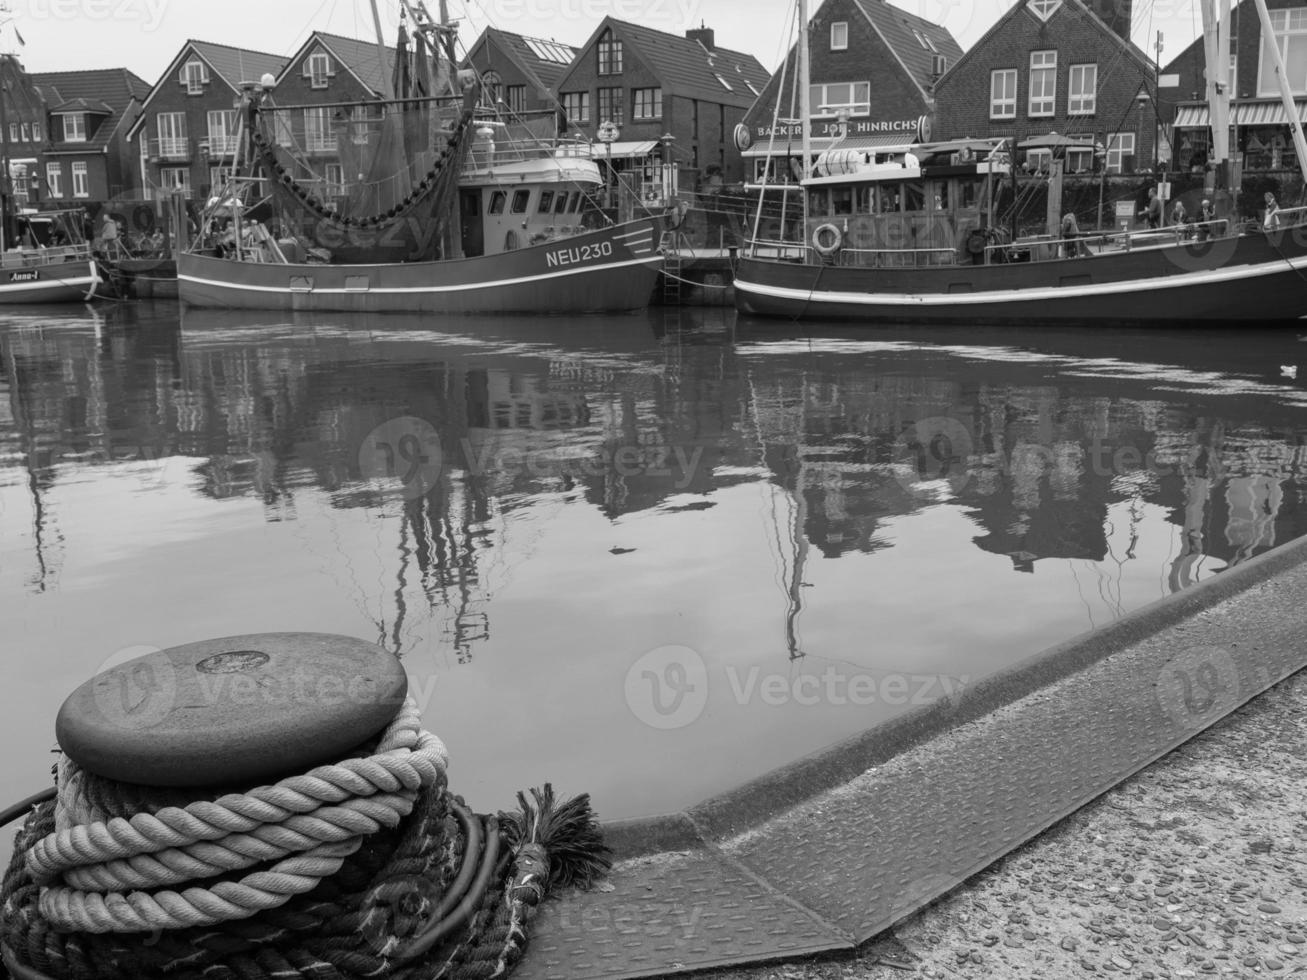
[673,266]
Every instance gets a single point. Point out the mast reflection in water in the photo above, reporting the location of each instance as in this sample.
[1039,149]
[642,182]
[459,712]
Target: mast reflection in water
[651,559]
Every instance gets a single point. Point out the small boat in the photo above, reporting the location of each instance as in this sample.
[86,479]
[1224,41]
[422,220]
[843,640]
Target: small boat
[911,234]
[421,201]
[47,262]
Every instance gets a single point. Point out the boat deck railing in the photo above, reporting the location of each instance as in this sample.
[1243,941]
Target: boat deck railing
[19,258]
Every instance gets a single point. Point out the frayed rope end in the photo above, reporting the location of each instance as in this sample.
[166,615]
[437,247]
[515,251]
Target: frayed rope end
[569,832]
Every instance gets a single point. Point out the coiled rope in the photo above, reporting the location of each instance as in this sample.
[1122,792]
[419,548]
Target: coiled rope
[366,867]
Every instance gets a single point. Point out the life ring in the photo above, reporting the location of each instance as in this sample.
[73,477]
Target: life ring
[143,217]
[826,246]
[965,155]
[977,241]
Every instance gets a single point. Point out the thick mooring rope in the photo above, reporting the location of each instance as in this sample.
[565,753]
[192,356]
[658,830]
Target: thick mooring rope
[428,894]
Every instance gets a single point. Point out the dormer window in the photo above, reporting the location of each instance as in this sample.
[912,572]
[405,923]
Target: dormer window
[27,132]
[1044,9]
[195,75]
[36,132]
[75,127]
[610,54]
[318,69]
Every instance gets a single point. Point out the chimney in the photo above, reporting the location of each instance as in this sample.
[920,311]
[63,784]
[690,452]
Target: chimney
[1115,14]
[704,35]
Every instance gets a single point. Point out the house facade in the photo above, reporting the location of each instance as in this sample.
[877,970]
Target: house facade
[1058,66]
[24,125]
[519,74]
[873,69]
[185,135]
[87,157]
[1262,140]
[671,99]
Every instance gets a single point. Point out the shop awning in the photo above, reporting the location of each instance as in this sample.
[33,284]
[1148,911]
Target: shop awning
[1263,112]
[622,150]
[792,146]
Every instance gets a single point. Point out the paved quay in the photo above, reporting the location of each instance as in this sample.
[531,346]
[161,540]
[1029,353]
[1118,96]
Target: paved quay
[1192,867]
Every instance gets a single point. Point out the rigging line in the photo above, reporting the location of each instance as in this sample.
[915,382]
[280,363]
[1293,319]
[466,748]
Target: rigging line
[1089,609]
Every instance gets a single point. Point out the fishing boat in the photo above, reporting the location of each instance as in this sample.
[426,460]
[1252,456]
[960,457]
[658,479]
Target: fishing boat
[437,205]
[911,234]
[43,260]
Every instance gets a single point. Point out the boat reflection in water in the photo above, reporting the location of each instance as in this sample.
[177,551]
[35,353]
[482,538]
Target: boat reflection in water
[721,545]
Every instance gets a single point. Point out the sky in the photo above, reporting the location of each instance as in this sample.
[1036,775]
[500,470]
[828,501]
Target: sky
[145,35]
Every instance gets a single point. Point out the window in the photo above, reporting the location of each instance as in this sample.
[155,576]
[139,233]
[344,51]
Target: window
[75,127]
[175,179]
[282,129]
[546,202]
[925,41]
[1003,94]
[172,134]
[1082,100]
[1121,153]
[492,89]
[54,179]
[576,105]
[1043,84]
[81,184]
[1040,160]
[335,180]
[218,177]
[516,96]
[318,137]
[318,69]
[222,132]
[839,35]
[497,200]
[851,97]
[1080,161]
[647,103]
[1044,9]
[13,132]
[560,206]
[1290,28]
[520,201]
[610,54]
[1234,73]
[36,132]
[610,105]
[27,132]
[195,75]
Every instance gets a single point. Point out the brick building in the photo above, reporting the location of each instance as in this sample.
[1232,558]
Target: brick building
[1057,66]
[652,84]
[520,74]
[873,69]
[1262,139]
[186,132]
[87,156]
[25,136]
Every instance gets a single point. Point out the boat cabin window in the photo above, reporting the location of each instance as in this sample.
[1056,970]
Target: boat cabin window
[818,201]
[967,193]
[577,200]
[497,199]
[520,200]
[889,199]
[913,196]
[841,199]
[866,199]
[939,194]
[560,206]
[546,202]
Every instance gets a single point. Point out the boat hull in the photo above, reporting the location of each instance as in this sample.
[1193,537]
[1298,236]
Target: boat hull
[610,270]
[1258,276]
[51,281]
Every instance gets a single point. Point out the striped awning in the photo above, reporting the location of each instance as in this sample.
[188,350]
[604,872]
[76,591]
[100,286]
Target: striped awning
[1263,112]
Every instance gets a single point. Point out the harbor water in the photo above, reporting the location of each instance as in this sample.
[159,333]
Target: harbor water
[649,557]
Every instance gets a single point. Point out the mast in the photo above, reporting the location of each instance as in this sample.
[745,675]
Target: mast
[6,185]
[1216,48]
[805,108]
[1286,91]
[387,83]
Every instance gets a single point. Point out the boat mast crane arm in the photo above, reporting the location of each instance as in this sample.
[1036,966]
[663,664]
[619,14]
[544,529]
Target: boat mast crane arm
[1216,50]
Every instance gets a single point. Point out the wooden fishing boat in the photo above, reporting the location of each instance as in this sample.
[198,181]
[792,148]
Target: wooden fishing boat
[911,235]
[452,210]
